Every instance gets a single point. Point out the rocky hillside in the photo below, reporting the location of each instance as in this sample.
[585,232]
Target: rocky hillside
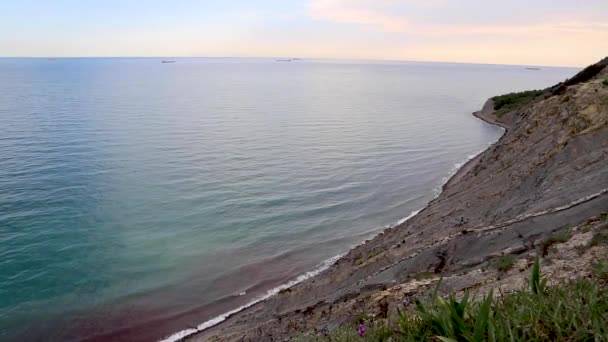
[547,175]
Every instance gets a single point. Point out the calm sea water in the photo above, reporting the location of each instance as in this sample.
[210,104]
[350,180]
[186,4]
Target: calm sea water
[140,198]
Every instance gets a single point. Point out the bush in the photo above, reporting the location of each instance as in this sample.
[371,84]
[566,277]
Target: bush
[605,83]
[504,263]
[512,101]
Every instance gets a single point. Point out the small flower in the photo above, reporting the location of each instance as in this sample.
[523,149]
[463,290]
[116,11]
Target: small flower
[361,329]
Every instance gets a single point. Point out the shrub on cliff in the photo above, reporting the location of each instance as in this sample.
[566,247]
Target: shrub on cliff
[512,101]
[504,263]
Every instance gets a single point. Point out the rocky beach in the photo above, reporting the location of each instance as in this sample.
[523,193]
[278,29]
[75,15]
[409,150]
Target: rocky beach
[547,174]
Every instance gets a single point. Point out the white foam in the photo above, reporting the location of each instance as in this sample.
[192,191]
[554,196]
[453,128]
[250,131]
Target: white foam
[319,269]
[403,220]
[439,189]
[206,325]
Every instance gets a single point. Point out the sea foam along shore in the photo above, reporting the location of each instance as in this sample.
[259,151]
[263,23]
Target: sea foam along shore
[180,335]
[454,171]
[208,324]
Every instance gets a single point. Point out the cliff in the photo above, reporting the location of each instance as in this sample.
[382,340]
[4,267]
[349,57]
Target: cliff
[547,175]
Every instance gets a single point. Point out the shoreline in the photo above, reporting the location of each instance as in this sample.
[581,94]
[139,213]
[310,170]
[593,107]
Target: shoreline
[466,166]
[486,114]
[318,270]
[501,202]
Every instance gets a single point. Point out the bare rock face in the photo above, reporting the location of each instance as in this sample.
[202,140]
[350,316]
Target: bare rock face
[547,173]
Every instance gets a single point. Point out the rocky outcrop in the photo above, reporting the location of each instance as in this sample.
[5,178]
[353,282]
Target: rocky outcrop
[548,173]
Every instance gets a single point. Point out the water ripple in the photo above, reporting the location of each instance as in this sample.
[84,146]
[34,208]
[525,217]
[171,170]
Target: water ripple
[129,188]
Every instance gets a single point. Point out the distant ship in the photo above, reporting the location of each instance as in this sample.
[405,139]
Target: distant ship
[530,68]
[288,59]
[165,62]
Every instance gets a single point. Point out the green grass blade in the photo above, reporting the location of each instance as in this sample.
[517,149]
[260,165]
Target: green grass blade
[481,321]
[535,278]
[446,339]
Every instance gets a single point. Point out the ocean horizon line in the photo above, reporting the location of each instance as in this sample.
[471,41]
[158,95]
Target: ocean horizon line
[350,59]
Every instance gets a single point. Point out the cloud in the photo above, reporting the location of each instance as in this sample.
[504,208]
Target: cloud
[371,14]
[401,17]
[541,32]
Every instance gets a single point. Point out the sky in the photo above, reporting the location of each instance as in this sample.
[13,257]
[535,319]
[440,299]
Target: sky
[527,32]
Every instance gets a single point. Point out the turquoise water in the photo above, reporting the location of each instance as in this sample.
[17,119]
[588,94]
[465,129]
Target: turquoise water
[139,198]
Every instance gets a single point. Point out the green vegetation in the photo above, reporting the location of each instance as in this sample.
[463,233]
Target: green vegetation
[599,238]
[504,263]
[585,229]
[559,237]
[574,311]
[583,76]
[512,101]
[600,269]
[605,83]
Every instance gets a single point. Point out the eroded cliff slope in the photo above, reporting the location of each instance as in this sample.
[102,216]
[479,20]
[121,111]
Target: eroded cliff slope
[549,172]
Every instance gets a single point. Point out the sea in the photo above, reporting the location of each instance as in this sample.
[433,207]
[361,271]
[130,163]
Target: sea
[141,200]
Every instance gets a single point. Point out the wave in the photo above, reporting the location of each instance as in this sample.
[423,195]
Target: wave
[180,335]
[403,220]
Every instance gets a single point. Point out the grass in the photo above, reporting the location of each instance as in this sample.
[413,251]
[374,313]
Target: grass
[504,263]
[574,311]
[600,238]
[600,269]
[512,101]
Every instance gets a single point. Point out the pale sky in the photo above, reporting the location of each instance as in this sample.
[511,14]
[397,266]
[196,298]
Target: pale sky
[530,32]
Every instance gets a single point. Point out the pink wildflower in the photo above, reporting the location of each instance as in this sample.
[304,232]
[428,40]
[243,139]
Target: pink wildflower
[361,329]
